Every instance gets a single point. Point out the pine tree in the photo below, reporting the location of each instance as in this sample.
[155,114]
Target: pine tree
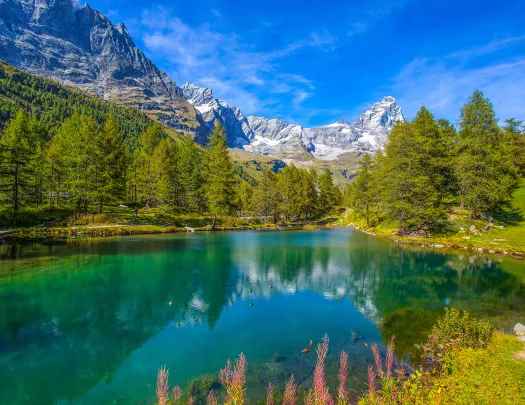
[515,143]
[266,197]
[410,197]
[220,180]
[291,203]
[364,189]
[141,172]
[75,140]
[308,191]
[110,163]
[17,153]
[191,167]
[435,154]
[328,193]
[168,188]
[245,199]
[484,167]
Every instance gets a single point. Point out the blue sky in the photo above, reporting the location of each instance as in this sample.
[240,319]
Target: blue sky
[315,62]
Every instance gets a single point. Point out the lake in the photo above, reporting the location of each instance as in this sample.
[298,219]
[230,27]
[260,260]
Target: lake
[91,321]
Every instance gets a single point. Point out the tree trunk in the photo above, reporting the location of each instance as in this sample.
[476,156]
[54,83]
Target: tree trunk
[214,222]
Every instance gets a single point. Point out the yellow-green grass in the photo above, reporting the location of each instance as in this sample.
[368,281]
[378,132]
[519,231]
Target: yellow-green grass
[491,376]
[507,234]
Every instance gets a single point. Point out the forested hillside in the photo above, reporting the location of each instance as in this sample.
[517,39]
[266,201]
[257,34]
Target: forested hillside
[65,154]
[51,103]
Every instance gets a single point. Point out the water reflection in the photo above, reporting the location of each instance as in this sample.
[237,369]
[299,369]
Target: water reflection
[91,321]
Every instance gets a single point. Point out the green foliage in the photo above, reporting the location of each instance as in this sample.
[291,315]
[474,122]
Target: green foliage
[51,104]
[266,196]
[484,167]
[365,190]
[245,199]
[219,187]
[459,329]
[18,164]
[514,134]
[329,194]
[409,192]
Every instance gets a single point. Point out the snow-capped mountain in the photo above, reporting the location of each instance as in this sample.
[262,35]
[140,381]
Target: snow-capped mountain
[80,46]
[275,137]
[212,110]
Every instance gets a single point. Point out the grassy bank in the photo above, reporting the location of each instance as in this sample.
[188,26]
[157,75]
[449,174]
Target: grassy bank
[117,221]
[505,236]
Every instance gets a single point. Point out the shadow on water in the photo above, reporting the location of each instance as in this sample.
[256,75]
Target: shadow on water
[90,321]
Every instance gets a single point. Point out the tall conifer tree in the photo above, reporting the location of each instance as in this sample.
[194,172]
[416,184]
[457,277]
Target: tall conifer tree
[220,175]
[484,168]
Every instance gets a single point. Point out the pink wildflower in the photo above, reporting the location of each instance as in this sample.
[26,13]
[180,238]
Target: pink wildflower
[290,392]
[343,375]
[390,356]
[163,385]
[319,394]
[177,394]
[371,379]
[212,399]
[377,358]
[233,380]
[269,395]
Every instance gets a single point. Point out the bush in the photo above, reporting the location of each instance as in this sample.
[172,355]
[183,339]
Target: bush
[455,330]
[459,329]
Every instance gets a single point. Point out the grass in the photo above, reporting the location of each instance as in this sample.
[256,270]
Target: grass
[491,376]
[506,235]
[122,221]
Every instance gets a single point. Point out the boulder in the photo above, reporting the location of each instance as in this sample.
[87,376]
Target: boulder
[519,330]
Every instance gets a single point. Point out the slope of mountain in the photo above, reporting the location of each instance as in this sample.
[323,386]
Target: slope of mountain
[212,110]
[80,46]
[53,103]
[275,137]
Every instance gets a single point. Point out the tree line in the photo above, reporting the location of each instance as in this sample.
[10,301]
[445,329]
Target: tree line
[85,166]
[429,165]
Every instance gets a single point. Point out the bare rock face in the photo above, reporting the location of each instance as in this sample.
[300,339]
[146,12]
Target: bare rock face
[81,47]
[275,137]
[213,110]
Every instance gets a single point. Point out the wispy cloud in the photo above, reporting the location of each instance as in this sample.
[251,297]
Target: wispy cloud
[236,68]
[444,84]
[235,71]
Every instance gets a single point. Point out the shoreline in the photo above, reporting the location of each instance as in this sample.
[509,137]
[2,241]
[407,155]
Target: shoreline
[131,230]
[455,247]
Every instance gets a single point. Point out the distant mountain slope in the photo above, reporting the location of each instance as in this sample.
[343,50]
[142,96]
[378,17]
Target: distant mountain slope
[275,137]
[52,103]
[80,46]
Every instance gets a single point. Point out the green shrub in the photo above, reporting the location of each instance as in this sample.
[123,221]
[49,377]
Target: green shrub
[454,330]
[460,329]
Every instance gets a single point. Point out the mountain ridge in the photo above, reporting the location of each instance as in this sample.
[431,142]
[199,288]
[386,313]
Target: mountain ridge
[275,137]
[80,46]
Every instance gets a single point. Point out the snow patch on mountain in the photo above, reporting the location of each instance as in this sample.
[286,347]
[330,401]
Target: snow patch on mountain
[274,137]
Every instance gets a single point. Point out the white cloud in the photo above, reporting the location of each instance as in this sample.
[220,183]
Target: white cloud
[444,84]
[299,97]
[235,71]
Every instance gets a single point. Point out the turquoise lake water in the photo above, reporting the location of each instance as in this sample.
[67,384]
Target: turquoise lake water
[91,321]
